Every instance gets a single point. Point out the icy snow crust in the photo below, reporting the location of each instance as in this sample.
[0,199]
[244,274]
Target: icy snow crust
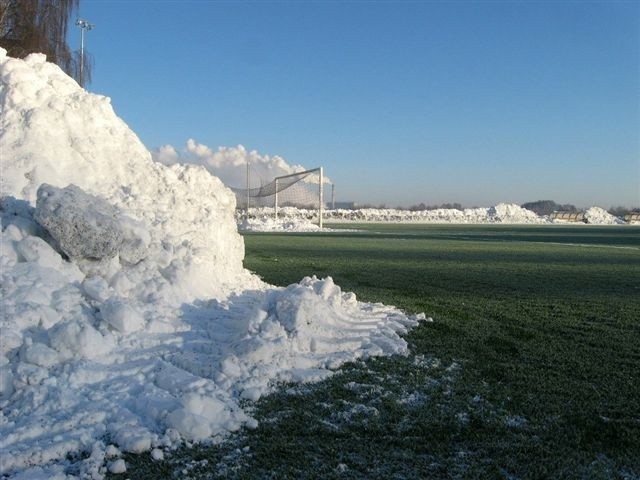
[139,353]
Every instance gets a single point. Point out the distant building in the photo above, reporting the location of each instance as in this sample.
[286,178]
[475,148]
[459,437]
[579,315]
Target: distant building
[632,217]
[568,216]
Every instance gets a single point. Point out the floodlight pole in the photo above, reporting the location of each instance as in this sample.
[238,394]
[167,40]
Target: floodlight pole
[84,25]
[321,206]
[275,201]
[248,163]
[333,196]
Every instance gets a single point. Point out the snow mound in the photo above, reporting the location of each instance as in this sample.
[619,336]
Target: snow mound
[55,132]
[599,216]
[262,218]
[512,213]
[142,351]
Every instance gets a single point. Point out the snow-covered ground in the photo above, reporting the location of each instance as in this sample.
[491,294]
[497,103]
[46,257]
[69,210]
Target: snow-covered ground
[156,342]
[293,219]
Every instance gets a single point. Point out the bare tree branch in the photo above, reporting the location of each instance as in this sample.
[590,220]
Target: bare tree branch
[40,26]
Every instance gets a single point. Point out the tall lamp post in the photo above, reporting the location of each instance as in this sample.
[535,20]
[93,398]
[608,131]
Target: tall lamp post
[84,26]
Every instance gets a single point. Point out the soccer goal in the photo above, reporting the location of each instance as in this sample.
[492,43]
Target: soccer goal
[302,190]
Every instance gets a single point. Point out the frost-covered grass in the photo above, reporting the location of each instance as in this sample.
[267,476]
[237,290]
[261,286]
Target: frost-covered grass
[529,370]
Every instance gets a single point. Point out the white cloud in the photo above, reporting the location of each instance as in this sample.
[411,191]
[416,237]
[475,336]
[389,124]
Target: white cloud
[229,164]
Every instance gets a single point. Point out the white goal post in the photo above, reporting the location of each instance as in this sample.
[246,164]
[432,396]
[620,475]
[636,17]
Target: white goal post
[297,177]
[303,190]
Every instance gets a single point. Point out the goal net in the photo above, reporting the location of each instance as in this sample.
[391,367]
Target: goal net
[302,190]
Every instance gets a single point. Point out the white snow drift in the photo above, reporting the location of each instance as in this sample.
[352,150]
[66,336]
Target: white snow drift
[139,352]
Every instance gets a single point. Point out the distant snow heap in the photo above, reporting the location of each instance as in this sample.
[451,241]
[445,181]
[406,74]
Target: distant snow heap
[156,340]
[294,219]
[262,218]
[599,216]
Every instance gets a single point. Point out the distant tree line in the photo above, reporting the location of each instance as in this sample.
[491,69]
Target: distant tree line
[622,211]
[40,26]
[547,207]
[448,206]
[380,206]
[540,207]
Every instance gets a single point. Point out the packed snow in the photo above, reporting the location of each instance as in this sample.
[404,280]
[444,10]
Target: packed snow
[128,323]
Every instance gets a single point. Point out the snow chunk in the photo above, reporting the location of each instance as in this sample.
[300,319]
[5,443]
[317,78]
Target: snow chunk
[78,339]
[35,249]
[112,451]
[86,226]
[121,316]
[41,355]
[96,288]
[157,454]
[117,467]
[82,224]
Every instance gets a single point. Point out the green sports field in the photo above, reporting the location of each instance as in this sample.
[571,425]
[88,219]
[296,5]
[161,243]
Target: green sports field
[530,368]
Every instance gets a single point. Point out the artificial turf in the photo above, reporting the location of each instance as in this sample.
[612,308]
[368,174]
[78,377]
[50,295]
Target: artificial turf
[530,368]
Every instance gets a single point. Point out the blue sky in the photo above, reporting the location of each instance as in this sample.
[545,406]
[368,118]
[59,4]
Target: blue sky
[401,102]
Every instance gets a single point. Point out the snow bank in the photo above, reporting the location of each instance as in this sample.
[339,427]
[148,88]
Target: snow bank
[262,218]
[501,213]
[599,216]
[301,220]
[134,353]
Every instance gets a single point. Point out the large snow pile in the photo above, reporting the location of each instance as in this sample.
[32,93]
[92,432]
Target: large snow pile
[147,331]
[599,216]
[54,132]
